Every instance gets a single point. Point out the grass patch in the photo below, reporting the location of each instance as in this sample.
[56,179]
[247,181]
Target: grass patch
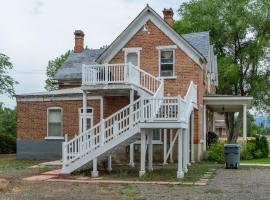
[160,173]
[9,162]
[214,191]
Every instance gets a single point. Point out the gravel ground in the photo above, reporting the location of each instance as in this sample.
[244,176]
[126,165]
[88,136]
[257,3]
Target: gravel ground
[242,184]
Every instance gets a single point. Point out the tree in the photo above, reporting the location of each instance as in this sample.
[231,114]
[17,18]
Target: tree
[53,66]
[7,130]
[6,82]
[239,30]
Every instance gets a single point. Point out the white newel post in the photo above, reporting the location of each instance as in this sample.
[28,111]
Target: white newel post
[165,147]
[131,100]
[131,155]
[192,138]
[184,133]
[180,173]
[245,122]
[94,173]
[150,150]
[142,169]
[109,163]
[84,111]
[171,153]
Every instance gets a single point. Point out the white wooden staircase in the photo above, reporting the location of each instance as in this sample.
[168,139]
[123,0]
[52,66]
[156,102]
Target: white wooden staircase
[123,127]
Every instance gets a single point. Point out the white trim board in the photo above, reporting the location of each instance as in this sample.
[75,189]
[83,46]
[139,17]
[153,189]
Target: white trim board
[149,14]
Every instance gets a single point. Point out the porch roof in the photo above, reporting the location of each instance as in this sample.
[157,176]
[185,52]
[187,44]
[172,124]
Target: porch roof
[227,103]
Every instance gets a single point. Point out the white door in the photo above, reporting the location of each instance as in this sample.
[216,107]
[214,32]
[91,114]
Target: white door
[89,119]
[134,59]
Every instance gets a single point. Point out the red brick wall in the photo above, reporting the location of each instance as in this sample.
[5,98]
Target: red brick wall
[186,70]
[114,103]
[32,117]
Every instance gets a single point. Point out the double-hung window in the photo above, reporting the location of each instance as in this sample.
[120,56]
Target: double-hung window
[54,120]
[166,61]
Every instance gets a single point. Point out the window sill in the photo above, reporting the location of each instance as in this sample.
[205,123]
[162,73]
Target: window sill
[168,77]
[54,138]
[153,142]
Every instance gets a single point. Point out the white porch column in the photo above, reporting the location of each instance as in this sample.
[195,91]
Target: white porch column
[171,139]
[180,173]
[131,155]
[245,122]
[165,147]
[150,150]
[142,169]
[204,127]
[109,163]
[188,144]
[192,138]
[84,111]
[94,173]
[184,133]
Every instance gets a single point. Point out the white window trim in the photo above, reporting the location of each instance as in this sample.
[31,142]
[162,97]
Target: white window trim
[133,50]
[153,141]
[91,115]
[54,137]
[171,48]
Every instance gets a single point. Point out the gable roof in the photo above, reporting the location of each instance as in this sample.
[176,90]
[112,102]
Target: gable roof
[72,67]
[149,14]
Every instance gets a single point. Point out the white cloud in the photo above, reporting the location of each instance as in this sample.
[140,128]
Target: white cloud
[34,31]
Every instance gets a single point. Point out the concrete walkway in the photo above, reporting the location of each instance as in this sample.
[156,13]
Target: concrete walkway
[255,164]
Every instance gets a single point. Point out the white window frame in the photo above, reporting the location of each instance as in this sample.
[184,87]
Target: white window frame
[166,48]
[88,115]
[54,137]
[133,50]
[153,141]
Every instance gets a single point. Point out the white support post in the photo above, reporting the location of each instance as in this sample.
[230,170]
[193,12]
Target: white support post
[84,111]
[213,121]
[185,150]
[142,169]
[171,153]
[204,127]
[150,150]
[165,147]
[188,144]
[94,173]
[192,138]
[180,173]
[131,155]
[245,122]
[109,163]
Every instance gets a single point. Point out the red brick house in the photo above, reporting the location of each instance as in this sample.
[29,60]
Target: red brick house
[151,88]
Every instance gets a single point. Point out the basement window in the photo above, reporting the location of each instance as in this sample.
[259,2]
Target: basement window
[54,120]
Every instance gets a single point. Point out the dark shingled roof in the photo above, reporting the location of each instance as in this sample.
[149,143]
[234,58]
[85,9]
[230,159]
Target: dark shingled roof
[72,67]
[200,41]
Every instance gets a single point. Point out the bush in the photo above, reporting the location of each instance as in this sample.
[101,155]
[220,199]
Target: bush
[216,152]
[263,146]
[212,138]
[7,144]
[248,150]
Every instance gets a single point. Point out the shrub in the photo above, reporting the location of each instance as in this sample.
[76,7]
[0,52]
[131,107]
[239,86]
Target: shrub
[263,146]
[7,144]
[212,138]
[216,152]
[248,150]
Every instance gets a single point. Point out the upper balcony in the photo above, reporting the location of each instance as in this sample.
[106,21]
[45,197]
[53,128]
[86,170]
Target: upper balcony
[118,79]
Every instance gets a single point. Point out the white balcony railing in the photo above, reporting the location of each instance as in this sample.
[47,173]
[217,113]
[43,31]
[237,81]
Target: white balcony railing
[119,73]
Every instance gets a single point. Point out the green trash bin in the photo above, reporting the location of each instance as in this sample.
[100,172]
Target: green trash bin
[232,155]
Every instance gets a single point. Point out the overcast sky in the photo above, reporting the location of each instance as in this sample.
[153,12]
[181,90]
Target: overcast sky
[35,31]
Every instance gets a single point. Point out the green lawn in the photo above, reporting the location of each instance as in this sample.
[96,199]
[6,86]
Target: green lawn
[258,161]
[9,162]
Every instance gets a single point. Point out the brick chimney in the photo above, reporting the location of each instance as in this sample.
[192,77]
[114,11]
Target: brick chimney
[79,37]
[168,15]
